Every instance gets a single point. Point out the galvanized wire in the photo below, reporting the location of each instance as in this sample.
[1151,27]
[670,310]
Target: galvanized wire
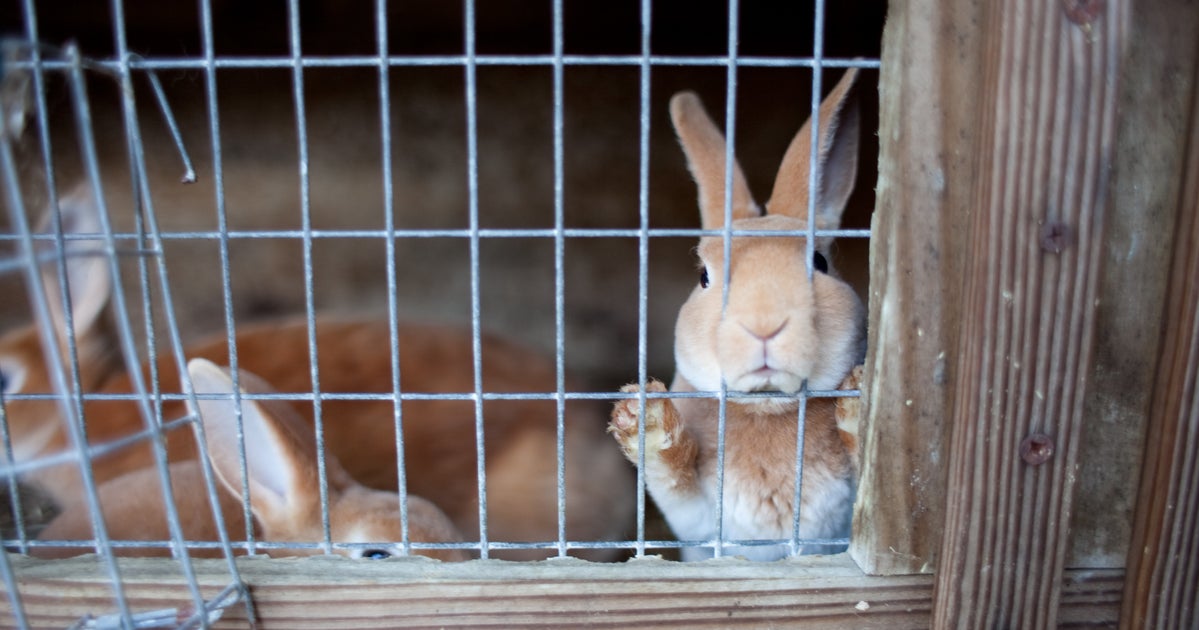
[71,406]
[559,277]
[222,237]
[392,287]
[815,169]
[318,430]
[469,396]
[643,126]
[425,61]
[72,398]
[148,242]
[476,320]
[152,414]
[147,219]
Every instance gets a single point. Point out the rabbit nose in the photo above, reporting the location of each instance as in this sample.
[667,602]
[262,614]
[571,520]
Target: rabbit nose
[765,331]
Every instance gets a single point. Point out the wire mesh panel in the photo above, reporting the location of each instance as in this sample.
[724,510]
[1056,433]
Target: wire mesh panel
[62,345]
[364,292]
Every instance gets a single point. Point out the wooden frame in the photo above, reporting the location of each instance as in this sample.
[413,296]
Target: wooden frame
[812,592]
[1029,206]
[1033,272]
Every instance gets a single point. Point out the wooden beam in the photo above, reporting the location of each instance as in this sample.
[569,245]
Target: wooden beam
[827,592]
[1156,91]
[1047,112]
[1163,566]
[927,130]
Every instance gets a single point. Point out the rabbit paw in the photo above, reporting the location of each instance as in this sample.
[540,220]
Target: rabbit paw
[849,410]
[661,422]
[848,415]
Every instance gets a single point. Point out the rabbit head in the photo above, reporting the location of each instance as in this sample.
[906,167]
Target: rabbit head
[34,424]
[283,477]
[281,466]
[781,325]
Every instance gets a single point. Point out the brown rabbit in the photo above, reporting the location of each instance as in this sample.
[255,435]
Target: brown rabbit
[32,424]
[354,356]
[780,328]
[281,466]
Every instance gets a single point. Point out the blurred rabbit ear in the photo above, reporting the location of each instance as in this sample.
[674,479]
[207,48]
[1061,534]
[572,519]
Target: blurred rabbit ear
[838,154]
[705,149]
[279,461]
[87,268]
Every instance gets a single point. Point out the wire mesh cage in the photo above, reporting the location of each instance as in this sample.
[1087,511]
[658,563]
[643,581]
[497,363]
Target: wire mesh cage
[315,289]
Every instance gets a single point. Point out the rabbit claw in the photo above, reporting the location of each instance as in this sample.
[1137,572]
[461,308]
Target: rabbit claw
[661,421]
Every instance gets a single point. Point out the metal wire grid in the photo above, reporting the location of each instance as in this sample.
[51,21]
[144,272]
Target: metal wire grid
[149,240]
[66,378]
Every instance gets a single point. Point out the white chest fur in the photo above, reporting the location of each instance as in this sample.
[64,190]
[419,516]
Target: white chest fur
[758,486]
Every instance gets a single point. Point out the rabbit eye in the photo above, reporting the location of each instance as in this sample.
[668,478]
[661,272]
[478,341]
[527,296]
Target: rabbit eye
[376,554]
[703,278]
[819,262]
[12,376]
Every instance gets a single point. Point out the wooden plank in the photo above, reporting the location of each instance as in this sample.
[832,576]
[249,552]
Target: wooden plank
[1047,107]
[1156,89]
[822,593]
[930,65]
[1163,559]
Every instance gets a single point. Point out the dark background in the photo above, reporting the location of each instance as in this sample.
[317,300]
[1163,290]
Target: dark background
[515,177]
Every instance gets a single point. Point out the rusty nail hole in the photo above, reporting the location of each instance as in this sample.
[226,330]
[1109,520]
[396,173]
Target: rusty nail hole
[1056,236]
[1036,449]
[1082,11]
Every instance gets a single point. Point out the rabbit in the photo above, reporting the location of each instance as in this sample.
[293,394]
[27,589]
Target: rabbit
[354,355]
[281,467]
[779,329]
[23,367]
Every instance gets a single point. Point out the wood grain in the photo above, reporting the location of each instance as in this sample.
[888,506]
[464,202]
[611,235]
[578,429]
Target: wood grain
[828,592]
[1156,82]
[930,63]
[1046,103]
[1163,559]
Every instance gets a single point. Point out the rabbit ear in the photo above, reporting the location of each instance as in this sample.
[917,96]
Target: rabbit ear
[838,154]
[87,268]
[705,149]
[280,459]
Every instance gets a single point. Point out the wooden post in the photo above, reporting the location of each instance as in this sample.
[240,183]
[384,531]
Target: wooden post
[927,131]
[1156,96]
[1163,568]
[1047,112]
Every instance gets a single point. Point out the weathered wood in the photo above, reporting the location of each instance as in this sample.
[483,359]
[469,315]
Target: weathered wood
[1047,101]
[1163,559]
[332,593]
[1156,87]
[930,65]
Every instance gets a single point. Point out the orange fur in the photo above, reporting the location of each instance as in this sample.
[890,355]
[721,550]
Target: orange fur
[775,327]
[849,412]
[354,356]
[133,508]
[440,453]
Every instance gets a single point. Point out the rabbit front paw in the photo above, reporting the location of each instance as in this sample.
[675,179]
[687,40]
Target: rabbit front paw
[848,415]
[661,422]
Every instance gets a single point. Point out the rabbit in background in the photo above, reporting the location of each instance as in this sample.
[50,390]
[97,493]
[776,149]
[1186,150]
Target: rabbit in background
[281,470]
[23,367]
[780,329]
[354,356]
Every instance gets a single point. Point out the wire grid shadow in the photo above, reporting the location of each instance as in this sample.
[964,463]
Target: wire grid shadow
[149,344]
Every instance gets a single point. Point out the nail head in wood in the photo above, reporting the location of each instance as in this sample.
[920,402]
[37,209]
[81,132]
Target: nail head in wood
[1082,11]
[1036,449]
[1056,236]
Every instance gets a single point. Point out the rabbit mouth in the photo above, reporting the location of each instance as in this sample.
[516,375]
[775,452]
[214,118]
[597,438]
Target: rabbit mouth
[769,379]
[765,372]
